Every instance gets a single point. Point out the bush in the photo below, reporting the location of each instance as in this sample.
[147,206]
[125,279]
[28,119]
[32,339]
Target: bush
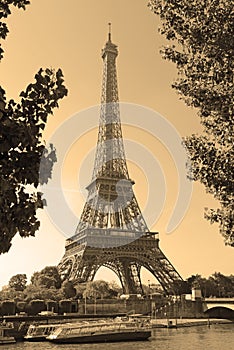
[36,306]
[52,305]
[21,306]
[65,306]
[7,307]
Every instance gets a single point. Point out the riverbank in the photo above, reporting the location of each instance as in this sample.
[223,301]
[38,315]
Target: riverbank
[187,322]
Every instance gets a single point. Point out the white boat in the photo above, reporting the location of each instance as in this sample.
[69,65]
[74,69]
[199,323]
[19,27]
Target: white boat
[4,337]
[39,332]
[100,331]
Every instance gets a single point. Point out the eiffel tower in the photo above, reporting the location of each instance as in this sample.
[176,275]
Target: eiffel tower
[112,231]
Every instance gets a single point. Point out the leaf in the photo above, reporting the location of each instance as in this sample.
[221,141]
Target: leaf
[202,33]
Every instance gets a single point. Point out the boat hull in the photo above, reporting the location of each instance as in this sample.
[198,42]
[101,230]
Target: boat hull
[35,338]
[102,338]
[7,340]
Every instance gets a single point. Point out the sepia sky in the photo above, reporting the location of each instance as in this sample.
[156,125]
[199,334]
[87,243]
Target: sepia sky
[70,34]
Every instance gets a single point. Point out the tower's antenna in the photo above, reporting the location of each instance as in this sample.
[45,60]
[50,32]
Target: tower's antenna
[109,34]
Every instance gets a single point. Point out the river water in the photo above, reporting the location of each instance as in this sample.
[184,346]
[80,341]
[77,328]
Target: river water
[215,337]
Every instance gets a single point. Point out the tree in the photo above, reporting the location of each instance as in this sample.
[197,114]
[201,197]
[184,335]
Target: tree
[217,285]
[8,293]
[97,289]
[38,292]
[68,289]
[47,278]
[80,289]
[114,289]
[202,47]
[180,287]
[18,282]
[25,162]
[208,288]
[224,285]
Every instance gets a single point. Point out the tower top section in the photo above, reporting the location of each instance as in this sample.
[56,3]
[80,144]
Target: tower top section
[110,161]
[110,49]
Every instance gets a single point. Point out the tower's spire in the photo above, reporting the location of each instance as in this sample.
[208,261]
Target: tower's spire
[109,34]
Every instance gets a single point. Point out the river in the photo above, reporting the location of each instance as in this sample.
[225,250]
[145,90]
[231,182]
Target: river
[215,337]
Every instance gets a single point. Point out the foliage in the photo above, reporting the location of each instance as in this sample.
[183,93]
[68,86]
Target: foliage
[5,11]
[97,289]
[114,289]
[217,285]
[8,293]
[18,282]
[24,160]
[21,306]
[47,278]
[65,306]
[202,47]
[7,307]
[68,290]
[35,292]
[36,306]
[80,289]
[180,287]
[224,284]
[52,305]
[45,285]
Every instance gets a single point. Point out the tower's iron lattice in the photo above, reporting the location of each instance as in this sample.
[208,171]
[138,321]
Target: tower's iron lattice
[112,231]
